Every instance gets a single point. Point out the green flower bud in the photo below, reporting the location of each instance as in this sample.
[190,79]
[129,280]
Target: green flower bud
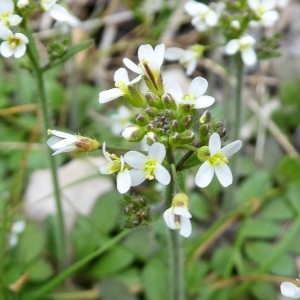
[186,137]
[174,125]
[204,130]
[202,153]
[169,101]
[153,100]
[142,119]
[205,117]
[218,126]
[187,121]
[134,96]
[174,138]
[151,111]
[151,138]
[133,133]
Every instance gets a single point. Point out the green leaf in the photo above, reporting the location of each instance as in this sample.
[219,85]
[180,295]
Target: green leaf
[106,212]
[255,186]
[276,209]
[114,261]
[263,291]
[261,228]
[289,169]
[293,193]
[284,266]
[257,251]
[195,274]
[113,289]
[142,242]
[31,243]
[155,279]
[220,259]
[40,270]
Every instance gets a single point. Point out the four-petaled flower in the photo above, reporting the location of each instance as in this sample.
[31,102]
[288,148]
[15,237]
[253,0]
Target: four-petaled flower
[148,167]
[195,94]
[203,16]
[13,44]
[217,162]
[150,60]
[290,290]
[116,165]
[178,215]
[187,58]
[62,142]
[264,10]
[58,12]
[7,16]
[121,82]
[245,46]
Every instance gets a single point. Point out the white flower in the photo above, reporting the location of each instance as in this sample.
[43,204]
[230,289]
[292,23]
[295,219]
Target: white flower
[290,290]
[58,12]
[188,58]
[116,165]
[22,3]
[121,82]
[148,58]
[216,162]
[120,120]
[13,44]
[282,3]
[264,9]
[62,142]
[195,94]
[179,218]
[203,17]
[7,16]
[148,167]
[245,46]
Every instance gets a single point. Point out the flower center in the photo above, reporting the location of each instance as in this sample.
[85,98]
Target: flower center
[115,165]
[14,42]
[261,10]
[122,86]
[177,221]
[217,159]
[189,97]
[149,168]
[244,46]
[4,18]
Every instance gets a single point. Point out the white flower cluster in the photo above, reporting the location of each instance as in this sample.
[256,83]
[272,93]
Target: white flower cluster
[134,167]
[205,18]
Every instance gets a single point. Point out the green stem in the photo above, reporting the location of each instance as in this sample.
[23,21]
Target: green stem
[39,293]
[230,199]
[45,109]
[176,255]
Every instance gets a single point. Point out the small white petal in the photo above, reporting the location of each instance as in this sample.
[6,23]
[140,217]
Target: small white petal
[64,143]
[52,141]
[204,175]
[159,55]
[22,37]
[105,153]
[232,47]
[137,177]
[198,86]
[182,211]
[135,159]
[15,20]
[60,13]
[214,143]
[162,175]
[18,226]
[269,18]
[176,92]
[5,33]
[249,57]
[6,6]
[173,53]
[157,151]
[224,174]
[20,51]
[109,95]
[185,227]
[191,67]
[169,218]
[203,102]
[61,134]
[105,169]
[121,75]
[5,50]
[211,18]
[231,148]
[132,66]
[123,181]
[290,290]
[65,149]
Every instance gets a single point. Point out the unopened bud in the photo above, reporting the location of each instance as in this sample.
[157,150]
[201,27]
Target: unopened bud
[218,126]
[142,119]
[174,138]
[187,121]
[186,137]
[134,96]
[204,130]
[169,101]
[202,153]
[205,117]
[174,125]
[151,138]
[153,100]
[133,133]
[151,111]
